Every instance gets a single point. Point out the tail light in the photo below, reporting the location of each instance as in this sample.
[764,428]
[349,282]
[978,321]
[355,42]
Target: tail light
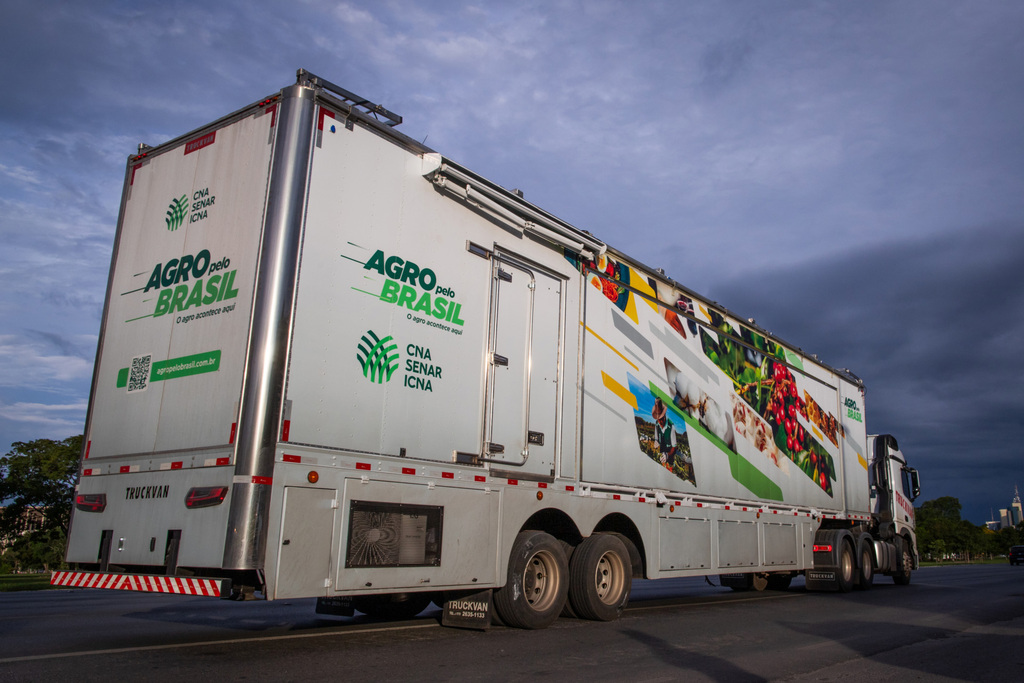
[91,502]
[823,548]
[205,496]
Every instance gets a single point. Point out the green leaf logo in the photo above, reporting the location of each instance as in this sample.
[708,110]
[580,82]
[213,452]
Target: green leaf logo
[377,357]
[176,212]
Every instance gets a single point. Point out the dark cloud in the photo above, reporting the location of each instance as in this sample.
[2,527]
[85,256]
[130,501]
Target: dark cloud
[932,325]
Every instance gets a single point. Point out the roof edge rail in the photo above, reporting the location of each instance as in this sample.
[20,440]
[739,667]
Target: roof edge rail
[303,77]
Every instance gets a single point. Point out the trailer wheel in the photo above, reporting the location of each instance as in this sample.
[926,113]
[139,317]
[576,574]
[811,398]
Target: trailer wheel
[392,606]
[844,575]
[600,578]
[535,591]
[902,575]
[866,575]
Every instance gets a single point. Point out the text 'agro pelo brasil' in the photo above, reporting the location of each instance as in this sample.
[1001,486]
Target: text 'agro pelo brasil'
[216,287]
[394,292]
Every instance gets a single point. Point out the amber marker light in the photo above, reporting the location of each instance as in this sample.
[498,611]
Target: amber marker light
[312,477]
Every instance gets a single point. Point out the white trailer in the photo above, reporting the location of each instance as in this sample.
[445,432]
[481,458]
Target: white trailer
[335,363]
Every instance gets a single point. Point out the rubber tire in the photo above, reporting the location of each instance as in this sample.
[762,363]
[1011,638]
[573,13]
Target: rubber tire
[392,606]
[902,576]
[537,582]
[866,572]
[600,578]
[779,582]
[846,569]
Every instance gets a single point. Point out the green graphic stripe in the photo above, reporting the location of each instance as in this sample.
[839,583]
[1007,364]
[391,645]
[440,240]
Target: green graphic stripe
[742,470]
[196,364]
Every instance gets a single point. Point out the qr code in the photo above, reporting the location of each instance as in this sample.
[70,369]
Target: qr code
[138,378]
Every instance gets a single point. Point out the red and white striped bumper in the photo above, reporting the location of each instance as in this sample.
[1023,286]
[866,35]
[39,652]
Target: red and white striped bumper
[181,585]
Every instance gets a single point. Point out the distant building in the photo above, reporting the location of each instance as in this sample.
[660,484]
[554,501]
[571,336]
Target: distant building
[1011,516]
[31,520]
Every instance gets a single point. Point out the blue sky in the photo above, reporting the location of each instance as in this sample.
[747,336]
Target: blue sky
[850,174]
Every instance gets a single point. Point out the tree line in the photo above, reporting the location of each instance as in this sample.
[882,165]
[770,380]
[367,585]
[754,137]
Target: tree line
[943,535]
[40,475]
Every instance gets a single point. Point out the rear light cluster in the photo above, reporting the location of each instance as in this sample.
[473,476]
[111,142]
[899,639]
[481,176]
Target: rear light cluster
[823,548]
[91,502]
[205,496]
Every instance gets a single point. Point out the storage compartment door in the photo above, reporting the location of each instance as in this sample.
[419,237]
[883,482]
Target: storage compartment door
[307,530]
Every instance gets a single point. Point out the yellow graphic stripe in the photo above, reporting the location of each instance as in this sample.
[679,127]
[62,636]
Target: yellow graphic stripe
[598,338]
[862,461]
[619,390]
[639,283]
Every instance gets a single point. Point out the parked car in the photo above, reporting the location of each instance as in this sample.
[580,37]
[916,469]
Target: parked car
[1017,554]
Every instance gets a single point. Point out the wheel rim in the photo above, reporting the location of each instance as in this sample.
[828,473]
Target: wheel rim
[541,581]
[609,578]
[847,567]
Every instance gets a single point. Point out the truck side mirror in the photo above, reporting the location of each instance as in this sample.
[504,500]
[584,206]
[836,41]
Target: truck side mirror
[915,484]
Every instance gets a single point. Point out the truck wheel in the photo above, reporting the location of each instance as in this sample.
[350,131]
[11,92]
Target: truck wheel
[866,575]
[535,590]
[844,575]
[600,578]
[392,605]
[902,576]
[779,582]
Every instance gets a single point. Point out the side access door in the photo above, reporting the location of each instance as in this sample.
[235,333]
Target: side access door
[524,377]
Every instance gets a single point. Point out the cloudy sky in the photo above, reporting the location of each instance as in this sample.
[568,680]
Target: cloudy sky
[850,174]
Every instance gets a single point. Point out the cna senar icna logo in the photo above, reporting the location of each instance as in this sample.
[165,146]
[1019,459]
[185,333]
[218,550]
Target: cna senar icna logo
[197,211]
[379,358]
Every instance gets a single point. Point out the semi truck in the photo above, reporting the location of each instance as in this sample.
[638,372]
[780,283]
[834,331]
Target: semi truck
[335,363]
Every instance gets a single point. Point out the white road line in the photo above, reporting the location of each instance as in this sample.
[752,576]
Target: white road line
[229,641]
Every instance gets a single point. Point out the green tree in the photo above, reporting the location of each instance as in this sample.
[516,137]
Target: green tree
[38,474]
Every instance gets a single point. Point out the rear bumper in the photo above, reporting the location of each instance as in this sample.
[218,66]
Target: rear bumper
[146,583]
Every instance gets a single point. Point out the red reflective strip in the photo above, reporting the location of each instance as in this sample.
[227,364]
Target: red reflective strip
[234,432]
[643,500]
[700,505]
[135,168]
[513,482]
[272,110]
[323,113]
[727,507]
[744,509]
[88,447]
[570,488]
[775,512]
[479,478]
[176,465]
[362,465]
[408,470]
[126,468]
[447,475]
[86,473]
[617,497]
[542,485]
[285,429]
[292,458]
[223,461]
[265,481]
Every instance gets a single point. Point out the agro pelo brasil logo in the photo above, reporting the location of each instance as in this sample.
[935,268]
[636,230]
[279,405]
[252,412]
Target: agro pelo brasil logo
[378,357]
[196,211]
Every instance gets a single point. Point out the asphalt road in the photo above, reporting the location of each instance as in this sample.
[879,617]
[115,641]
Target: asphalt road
[951,623]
